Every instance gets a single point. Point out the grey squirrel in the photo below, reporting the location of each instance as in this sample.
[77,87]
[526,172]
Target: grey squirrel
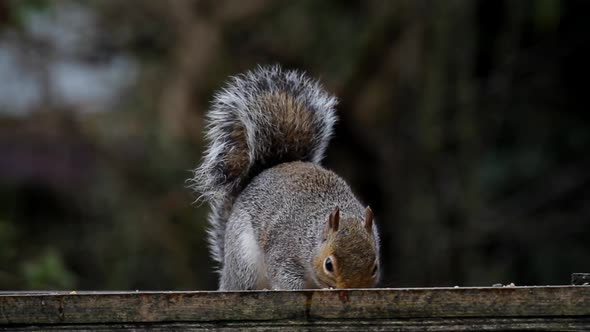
[278,219]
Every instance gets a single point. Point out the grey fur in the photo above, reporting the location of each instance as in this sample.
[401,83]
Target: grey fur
[269,209]
[238,102]
[293,216]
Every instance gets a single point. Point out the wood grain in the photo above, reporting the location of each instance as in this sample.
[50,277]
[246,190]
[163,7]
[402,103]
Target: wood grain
[557,308]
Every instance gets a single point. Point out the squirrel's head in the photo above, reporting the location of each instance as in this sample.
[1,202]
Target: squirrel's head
[347,256]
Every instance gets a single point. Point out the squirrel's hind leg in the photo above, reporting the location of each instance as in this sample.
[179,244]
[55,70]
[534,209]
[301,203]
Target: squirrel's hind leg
[286,274]
[243,266]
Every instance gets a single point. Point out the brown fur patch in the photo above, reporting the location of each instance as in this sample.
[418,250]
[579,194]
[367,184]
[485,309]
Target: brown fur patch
[237,158]
[263,239]
[293,124]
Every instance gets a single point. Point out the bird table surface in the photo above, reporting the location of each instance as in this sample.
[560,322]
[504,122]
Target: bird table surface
[550,308]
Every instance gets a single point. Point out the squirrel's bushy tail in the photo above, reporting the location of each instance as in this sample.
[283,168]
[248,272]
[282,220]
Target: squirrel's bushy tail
[260,119]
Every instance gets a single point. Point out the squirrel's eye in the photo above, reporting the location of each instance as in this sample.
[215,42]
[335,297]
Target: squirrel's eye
[374,273]
[328,265]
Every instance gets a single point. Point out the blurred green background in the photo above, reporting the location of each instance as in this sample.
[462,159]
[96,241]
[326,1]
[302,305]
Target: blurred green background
[464,124]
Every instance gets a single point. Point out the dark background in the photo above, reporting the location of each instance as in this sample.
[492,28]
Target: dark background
[464,124]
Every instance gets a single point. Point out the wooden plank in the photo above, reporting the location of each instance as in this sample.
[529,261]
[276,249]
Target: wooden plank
[559,308]
[455,324]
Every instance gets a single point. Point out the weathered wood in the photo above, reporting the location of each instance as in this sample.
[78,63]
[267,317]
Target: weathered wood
[580,278]
[454,324]
[563,308]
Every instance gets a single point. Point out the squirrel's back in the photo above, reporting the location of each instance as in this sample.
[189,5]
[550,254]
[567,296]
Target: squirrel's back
[304,191]
[260,119]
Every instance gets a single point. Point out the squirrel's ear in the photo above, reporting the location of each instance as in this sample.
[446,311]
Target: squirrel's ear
[368,219]
[334,219]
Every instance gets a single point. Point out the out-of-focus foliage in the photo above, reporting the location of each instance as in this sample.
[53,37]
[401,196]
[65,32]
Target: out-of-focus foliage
[464,125]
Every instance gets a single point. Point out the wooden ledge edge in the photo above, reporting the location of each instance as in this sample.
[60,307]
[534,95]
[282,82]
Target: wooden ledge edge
[99,307]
